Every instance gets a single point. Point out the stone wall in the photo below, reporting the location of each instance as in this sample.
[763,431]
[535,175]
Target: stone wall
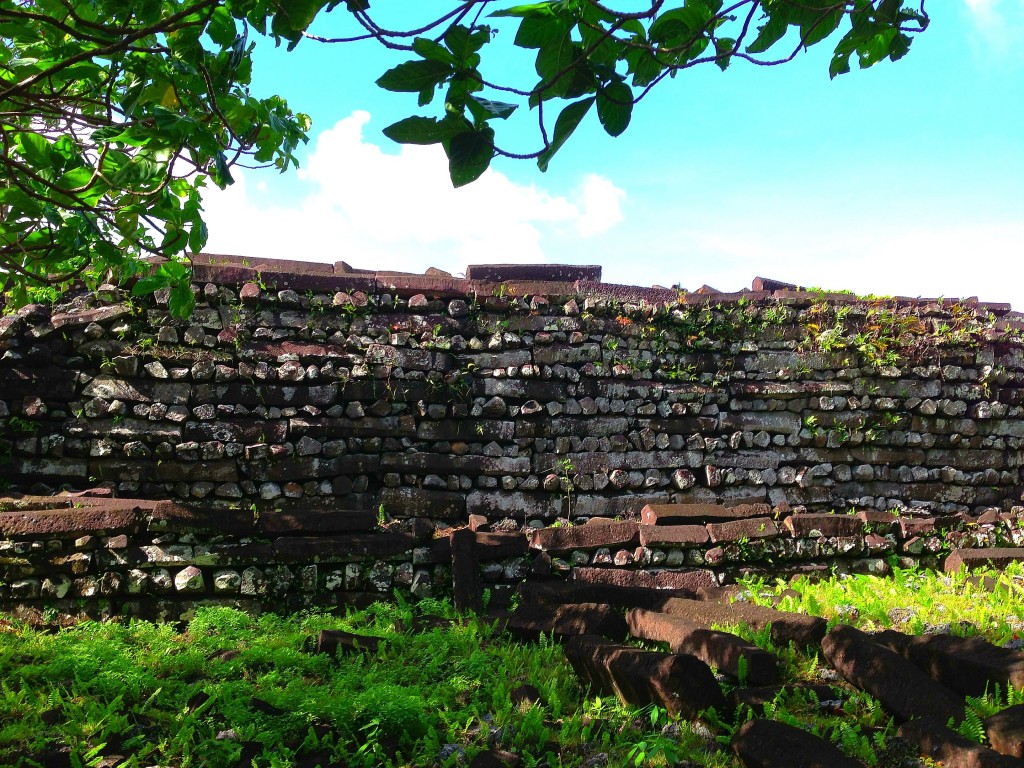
[317,400]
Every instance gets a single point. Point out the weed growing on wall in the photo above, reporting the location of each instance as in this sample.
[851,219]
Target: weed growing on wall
[882,334]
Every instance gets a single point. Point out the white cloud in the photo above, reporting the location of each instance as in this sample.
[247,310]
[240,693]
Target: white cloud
[997,27]
[375,210]
[915,259]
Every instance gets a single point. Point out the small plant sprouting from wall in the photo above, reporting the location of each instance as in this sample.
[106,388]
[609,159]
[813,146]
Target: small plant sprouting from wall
[883,334]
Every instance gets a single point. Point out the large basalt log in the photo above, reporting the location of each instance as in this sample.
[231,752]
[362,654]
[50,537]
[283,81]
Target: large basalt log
[589,536]
[725,651]
[682,514]
[579,592]
[1005,731]
[786,627]
[681,684]
[967,665]
[467,586]
[529,622]
[689,579]
[995,557]
[933,739]
[771,744]
[903,689]
[335,642]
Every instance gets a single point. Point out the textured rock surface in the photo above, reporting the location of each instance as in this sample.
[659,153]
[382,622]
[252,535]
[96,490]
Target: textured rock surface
[302,404]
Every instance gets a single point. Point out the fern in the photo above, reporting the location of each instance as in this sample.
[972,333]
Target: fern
[856,744]
[742,670]
[972,727]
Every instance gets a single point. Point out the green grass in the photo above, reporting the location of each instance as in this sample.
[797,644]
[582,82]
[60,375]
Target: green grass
[162,697]
[911,601]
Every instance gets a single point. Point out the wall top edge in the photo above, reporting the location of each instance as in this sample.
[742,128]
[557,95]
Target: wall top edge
[519,280]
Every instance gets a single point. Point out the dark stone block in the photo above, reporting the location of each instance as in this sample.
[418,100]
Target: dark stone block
[673,535]
[498,273]
[62,523]
[1005,731]
[529,622]
[418,502]
[738,530]
[682,514]
[342,548]
[996,557]
[786,627]
[934,740]
[681,684]
[816,524]
[589,536]
[467,586]
[904,690]
[468,430]
[336,642]
[317,521]
[722,650]
[369,426]
[496,546]
[771,744]
[689,580]
[967,665]
[579,592]
[179,518]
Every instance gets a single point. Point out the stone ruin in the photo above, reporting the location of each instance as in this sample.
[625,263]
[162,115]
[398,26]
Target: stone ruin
[317,436]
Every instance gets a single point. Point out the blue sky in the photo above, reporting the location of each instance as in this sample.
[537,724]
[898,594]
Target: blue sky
[905,179]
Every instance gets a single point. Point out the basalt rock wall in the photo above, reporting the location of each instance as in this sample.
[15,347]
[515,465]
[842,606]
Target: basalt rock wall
[301,386]
[310,433]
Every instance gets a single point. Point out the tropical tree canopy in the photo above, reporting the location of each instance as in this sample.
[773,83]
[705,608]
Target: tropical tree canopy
[114,114]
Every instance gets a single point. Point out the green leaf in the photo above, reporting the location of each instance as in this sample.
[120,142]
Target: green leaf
[181,301]
[198,236]
[463,42]
[644,67]
[541,32]
[554,61]
[899,47]
[174,270]
[293,17]
[469,155]
[840,64]
[770,33]
[490,109]
[108,133]
[35,149]
[434,51]
[875,48]
[824,25]
[221,171]
[221,28]
[615,107]
[724,46]
[533,9]
[566,123]
[888,11]
[146,285]
[75,178]
[423,130]
[675,25]
[415,76]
